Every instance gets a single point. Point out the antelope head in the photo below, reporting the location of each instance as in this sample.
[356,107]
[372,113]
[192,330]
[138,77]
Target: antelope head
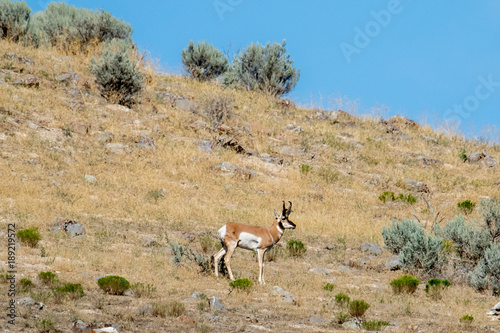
[283,217]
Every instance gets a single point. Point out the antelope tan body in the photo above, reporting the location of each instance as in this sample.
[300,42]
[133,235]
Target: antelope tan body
[254,238]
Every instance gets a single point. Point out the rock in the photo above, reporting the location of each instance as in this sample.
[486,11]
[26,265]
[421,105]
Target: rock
[80,327]
[230,143]
[495,311]
[65,77]
[481,158]
[204,145]
[80,127]
[26,301]
[216,304]
[90,178]
[294,128]
[198,295]
[74,229]
[143,142]
[291,151]
[28,81]
[227,167]
[54,183]
[105,330]
[320,270]
[21,59]
[287,104]
[318,320]
[353,324]
[416,186]
[105,137]
[371,248]
[345,269]
[199,125]
[148,242]
[145,310]
[116,148]
[393,264]
[283,295]
[402,121]
[269,159]
[117,108]
[430,139]
[185,105]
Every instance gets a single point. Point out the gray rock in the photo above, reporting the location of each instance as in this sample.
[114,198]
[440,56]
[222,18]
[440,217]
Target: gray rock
[90,178]
[204,145]
[495,311]
[116,148]
[318,320]
[185,105]
[343,268]
[416,186]
[74,229]
[54,183]
[216,304]
[105,137]
[294,128]
[128,292]
[64,77]
[320,270]
[198,295]
[393,264]
[291,151]
[371,248]
[430,139]
[199,125]
[353,324]
[227,167]
[283,295]
[145,310]
[148,242]
[25,301]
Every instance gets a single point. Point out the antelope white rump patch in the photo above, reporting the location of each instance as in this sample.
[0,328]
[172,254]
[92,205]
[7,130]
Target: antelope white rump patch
[249,241]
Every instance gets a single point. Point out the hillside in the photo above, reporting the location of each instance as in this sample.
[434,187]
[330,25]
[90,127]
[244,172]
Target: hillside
[143,180]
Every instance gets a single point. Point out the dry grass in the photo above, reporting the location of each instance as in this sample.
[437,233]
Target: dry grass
[335,205]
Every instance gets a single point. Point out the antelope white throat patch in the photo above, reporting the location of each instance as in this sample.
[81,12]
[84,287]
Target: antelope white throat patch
[222,233]
[249,241]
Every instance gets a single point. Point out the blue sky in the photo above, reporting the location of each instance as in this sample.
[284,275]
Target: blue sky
[432,61]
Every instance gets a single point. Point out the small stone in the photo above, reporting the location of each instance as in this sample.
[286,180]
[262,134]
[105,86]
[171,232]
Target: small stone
[345,269]
[90,178]
[185,105]
[320,270]
[105,137]
[495,311]
[353,324]
[371,248]
[216,304]
[204,145]
[393,264]
[318,320]
[283,295]
[74,229]
[148,242]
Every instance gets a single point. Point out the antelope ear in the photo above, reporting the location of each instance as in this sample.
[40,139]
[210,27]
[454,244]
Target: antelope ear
[276,215]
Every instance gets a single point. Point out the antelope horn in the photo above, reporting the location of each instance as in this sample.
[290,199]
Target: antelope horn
[284,209]
[289,208]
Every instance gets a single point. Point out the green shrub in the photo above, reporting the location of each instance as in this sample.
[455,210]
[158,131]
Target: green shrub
[405,284]
[265,68]
[390,196]
[328,287]
[241,284]
[342,317]
[115,285]
[357,308]
[487,273]
[47,278]
[29,236]
[463,155]
[374,325]
[74,29]
[26,284]
[14,19]
[342,299]
[117,77]
[73,290]
[490,210]
[434,288]
[466,207]
[304,169]
[416,250]
[469,242]
[296,248]
[467,320]
[203,61]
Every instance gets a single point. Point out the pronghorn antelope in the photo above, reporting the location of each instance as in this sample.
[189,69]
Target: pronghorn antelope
[254,238]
